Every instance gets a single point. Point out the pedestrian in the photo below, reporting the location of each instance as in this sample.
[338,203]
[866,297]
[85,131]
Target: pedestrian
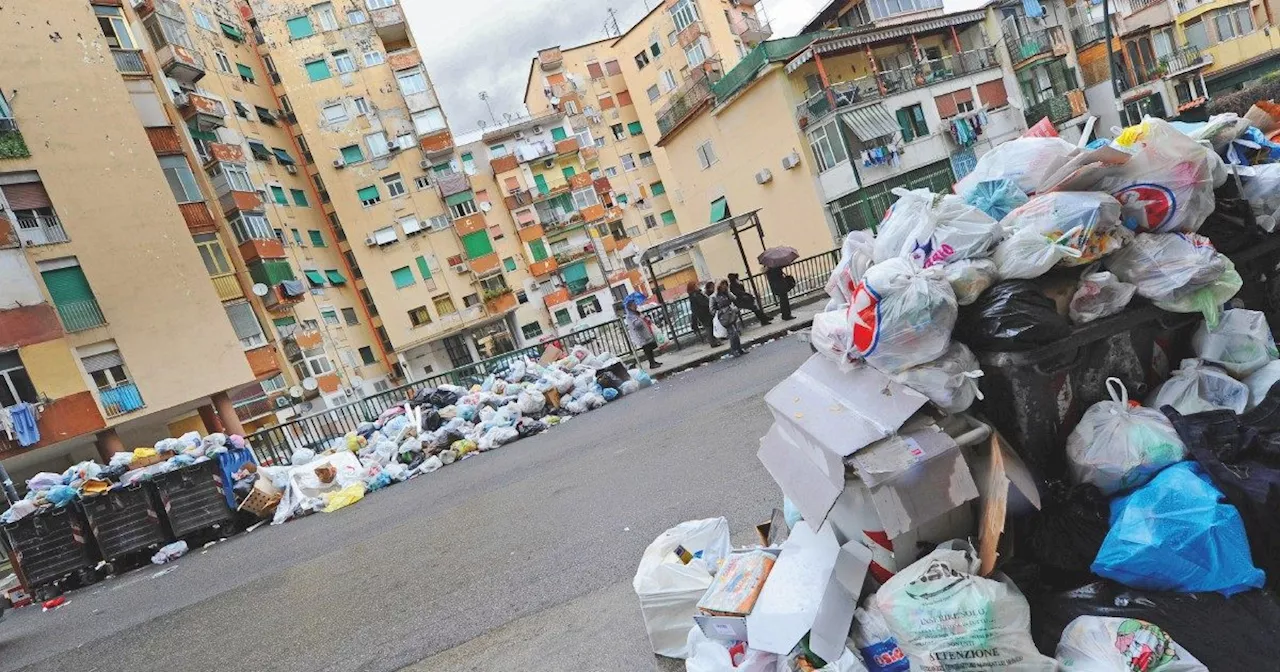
[700,312]
[745,299]
[640,328]
[726,312]
[781,285]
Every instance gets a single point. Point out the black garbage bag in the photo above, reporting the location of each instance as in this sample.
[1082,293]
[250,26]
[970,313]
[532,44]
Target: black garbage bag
[1231,227]
[113,473]
[442,398]
[423,396]
[1010,316]
[1241,632]
[608,379]
[1065,535]
[528,427]
[414,459]
[431,420]
[367,430]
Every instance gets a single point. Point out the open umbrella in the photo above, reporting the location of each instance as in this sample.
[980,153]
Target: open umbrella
[777,257]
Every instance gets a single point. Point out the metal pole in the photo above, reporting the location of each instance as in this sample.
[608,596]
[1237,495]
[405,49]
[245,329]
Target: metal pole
[1111,60]
[666,314]
[6,484]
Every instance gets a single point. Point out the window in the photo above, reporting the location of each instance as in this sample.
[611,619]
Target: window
[611,172]
[628,162]
[380,4]
[246,325]
[668,217]
[114,27]
[584,137]
[317,238]
[248,227]
[317,70]
[634,128]
[395,185]
[460,210]
[684,13]
[373,57]
[349,316]
[202,20]
[403,277]
[428,121]
[241,110]
[352,154]
[658,188]
[344,62]
[624,98]
[109,373]
[509,263]
[362,107]
[419,316]
[385,235]
[650,222]
[531,331]
[622,198]
[444,305]
[612,67]
[563,317]
[588,306]
[522,297]
[324,14]
[696,53]
[411,82]
[653,93]
[440,223]
[655,49]
[422,182]
[277,193]
[706,155]
[369,196]
[606,103]
[356,17]
[672,37]
[377,143]
[181,181]
[911,122]
[642,59]
[585,198]
[211,253]
[224,63]
[827,145]
[366,355]
[330,317]
[619,133]
[313,362]
[300,27]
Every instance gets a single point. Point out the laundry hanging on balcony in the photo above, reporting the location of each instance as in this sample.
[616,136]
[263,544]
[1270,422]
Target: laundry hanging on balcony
[965,129]
[870,123]
[22,419]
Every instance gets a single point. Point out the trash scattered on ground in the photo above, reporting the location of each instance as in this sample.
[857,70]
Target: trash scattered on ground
[169,553]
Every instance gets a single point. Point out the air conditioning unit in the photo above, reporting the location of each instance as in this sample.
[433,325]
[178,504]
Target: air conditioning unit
[791,160]
[291,169]
[282,402]
[393,147]
[370,241]
[424,164]
[339,163]
[181,99]
[537,130]
[764,177]
[459,268]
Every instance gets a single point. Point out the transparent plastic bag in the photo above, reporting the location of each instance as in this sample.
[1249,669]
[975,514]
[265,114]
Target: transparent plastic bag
[1259,382]
[1025,161]
[1167,184]
[1099,295]
[1117,446]
[1197,387]
[950,381]
[969,278]
[1208,299]
[901,315]
[1166,266]
[1060,228]
[1107,644]
[997,198]
[856,256]
[877,645]
[1260,186]
[832,336]
[1241,343]
[931,229]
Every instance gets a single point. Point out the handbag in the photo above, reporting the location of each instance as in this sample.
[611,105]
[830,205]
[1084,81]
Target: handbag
[789,281]
[718,329]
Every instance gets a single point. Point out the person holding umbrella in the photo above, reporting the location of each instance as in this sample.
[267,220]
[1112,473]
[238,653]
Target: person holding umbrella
[640,328]
[774,260]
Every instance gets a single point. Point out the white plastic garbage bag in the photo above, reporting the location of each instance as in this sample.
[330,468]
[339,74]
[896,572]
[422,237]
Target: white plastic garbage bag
[931,229]
[1107,644]
[969,278]
[1259,382]
[1166,266]
[1117,446]
[530,403]
[943,614]
[876,644]
[1167,184]
[1060,228]
[901,315]
[1099,295]
[709,655]
[669,589]
[1027,161]
[1260,185]
[430,464]
[1208,299]
[950,381]
[1241,343]
[302,456]
[857,254]
[1197,387]
[832,336]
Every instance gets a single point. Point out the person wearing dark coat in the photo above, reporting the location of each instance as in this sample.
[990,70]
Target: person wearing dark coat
[745,299]
[781,285]
[700,311]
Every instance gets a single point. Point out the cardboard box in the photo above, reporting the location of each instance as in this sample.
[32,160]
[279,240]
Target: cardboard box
[737,584]
[723,626]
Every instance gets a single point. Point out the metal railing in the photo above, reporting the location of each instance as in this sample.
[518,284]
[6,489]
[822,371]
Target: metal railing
[1028,45]
[41,230]
[121,399]
[80,315]
[1087,34]
[691,94]
[1057,109]
[129,61]
[1185,57]
[1136,6]
[254,408]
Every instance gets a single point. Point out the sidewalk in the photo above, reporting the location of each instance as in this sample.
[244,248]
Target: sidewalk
[692,354]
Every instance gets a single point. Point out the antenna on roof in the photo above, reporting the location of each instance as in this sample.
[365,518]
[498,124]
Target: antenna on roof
[611,23]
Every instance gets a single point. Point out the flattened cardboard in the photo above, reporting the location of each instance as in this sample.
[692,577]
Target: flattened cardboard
[810,476]
[1000,469]
[551,354]
[835,613]
[788,605]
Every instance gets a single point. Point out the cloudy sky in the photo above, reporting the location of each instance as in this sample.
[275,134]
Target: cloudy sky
[486,45]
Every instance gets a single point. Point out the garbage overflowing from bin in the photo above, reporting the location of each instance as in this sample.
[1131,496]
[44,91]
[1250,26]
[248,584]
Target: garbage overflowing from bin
[1040,431]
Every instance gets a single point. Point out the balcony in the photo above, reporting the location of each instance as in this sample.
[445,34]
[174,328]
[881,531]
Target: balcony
[690,34]
[209,114]
[12,146]
[255,408]
[581,289]
[574,255]
[1035,45]
[121,399]
[259,250]
[164,140]
[557,297]
[130,62]
[518,199]
[226,286]
[225,153]
[1185,59]
[437,144]
[390,25]
[567,146]
[1145,14]
[893,82]
[403,59]
[37,230]
[592,213]
[504,163]
[181,63]
[588,154]
[262,361]
[233,202]
[469,224]
[198,217]
[687,99]
[448,184]
[1084,35]
[749,29]
[1068,106]
[530,232]
[602,185]
[63,418]
[80,315]
[329,383]
[540,268]
[579,181]
[550,59]
[500,301]
[528,152]
[486,264]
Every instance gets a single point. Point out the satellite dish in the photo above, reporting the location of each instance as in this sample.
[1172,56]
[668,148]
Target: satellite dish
[356,381]
[310,384]
[486,207]
[260,289]
[295,392]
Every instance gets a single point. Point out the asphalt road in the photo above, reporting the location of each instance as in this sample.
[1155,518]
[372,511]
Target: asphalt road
[518,559]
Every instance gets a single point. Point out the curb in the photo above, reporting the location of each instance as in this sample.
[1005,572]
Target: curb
[797,325]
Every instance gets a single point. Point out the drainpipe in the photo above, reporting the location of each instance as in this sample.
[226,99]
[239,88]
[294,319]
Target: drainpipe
[6,484]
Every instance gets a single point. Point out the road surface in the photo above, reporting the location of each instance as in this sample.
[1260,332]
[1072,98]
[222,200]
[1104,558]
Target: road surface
[519,559]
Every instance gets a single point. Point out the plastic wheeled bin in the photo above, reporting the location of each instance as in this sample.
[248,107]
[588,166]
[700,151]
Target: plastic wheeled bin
[192,498]
[231,461]
[49,546]
[1036,397]
[124,521]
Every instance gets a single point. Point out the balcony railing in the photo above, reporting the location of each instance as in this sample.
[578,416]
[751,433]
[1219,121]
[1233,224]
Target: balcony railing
[1067,106]
[1136,6]
[687,98]
[121,399]
[41,230]
[1185,58]
[80,315]
[254,408]
[129,61]
[1088,34]
[1028,45]
[750,29]
[226,286]
[893,82]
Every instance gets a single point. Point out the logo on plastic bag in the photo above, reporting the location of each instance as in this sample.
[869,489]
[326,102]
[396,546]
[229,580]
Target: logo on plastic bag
[1144,646]
[930,252]
[1158,206]
[864,318]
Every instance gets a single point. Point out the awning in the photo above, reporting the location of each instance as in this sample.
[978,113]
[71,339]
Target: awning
[198,134]
[264,114]
[461,197]
[232,32]
[719,209]
[335,277]
[245,71]
[870,122]
[283,157]
[241,110]
[259,151]
[673,246]
[853,37]
[316,278]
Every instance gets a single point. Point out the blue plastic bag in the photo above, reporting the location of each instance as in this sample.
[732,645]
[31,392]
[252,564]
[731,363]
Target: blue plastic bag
[1178,533]
[610,394]
[997,198]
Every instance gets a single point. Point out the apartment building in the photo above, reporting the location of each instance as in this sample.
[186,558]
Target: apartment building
[111,329]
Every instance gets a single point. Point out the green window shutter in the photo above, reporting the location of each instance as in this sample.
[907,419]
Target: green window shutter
[477,244]
[317,238]
[232,32]
[622,198]
[538,249]
[669,217]
[441,169]
[558,134]
[271,272]
[316,278]
[423,269]
[245,71]
[68,286]
[562,317]
[403,277]
[352,154]
[198,134]
[299,28]
[575,272]
[466,156]
[658,188]
[904,124]
[318,70]
[568,172]
[922,129]
[634,128]
[284,321]
[541,183]
[278,194]
[335,277]
[297,236]
[719,210]
[368,193]
[509,263]
[299,197]
[460,198]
